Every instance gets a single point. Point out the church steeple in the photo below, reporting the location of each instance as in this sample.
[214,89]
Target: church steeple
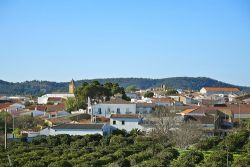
[72,87]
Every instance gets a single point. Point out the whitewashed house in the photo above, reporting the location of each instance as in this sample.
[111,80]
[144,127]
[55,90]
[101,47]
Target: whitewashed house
[114,106]
[163,102]
[34,113]
[144,108]
[15,107]
[44,99]
[132,95]
[126,122]
[80,129]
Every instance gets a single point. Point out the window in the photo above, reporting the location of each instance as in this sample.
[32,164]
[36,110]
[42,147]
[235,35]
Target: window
[114,122]
[109,110]
[99,111]
[118,111]
[127,111]
[123,122]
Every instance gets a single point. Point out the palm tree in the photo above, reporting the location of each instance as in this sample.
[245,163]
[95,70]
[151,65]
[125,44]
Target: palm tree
[5,115]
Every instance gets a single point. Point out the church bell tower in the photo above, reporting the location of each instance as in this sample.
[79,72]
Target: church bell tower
[72,87]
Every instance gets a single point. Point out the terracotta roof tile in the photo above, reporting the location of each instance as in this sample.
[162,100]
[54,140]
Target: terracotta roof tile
[222,89]
[79,126]
[5,105]
[117,101]
[124,116]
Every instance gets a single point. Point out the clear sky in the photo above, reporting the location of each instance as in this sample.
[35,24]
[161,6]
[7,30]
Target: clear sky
[58,40]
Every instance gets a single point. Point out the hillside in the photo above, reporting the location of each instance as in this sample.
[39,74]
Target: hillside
[42,87]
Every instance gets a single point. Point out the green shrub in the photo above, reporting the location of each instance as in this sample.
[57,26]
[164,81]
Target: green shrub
[218,159]
[190,159]
[61,163]
[138,157]
[236,140]
[242,161]
[208,143]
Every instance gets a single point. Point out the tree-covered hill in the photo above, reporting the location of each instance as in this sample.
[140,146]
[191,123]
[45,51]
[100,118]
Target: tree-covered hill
[40,87]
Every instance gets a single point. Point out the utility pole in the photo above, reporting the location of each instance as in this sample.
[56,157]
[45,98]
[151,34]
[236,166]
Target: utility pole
[227,157]
[239,113]
[13,124]
[5,131]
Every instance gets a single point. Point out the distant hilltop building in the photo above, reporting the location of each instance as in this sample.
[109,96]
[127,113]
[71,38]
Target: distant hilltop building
[214,90]
[163,86]
[72,87]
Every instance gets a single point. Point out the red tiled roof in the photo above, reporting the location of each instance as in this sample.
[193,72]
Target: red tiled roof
[145,104]
[204,110]
[234,108]
[102,119]
[222,89]
[163,100]
[54,99]
[117,101]
[207,119]
[188,111]
[124,116]
[242,108]
[52,108]
[5,105]
[38,107]
[59,120]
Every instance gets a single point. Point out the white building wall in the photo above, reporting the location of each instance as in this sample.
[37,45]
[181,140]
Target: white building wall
[143,110]
[130,123]
[19,106]
[203,91]
[42,100]
[107,109]
[74,132]
[63,95]
[241,116]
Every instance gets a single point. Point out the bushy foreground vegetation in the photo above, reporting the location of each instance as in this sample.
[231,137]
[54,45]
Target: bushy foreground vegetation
[125,150]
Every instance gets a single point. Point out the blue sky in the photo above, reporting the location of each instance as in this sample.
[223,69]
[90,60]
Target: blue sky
[59,40]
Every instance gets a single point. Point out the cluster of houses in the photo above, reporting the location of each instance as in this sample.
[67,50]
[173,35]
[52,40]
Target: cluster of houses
[213,109]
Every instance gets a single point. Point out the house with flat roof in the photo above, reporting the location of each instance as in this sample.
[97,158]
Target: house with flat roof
[127,122]
[80,129]
[114,106]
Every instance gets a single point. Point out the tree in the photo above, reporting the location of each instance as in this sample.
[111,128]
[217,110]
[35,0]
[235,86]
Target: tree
[167,155]
[190,159]
[71,104]
[27,121]
[171,92]
[35,164]
[61,163]
[236,140]
[186,135]
[5,116]
[163,121]
[131,88]
[135,132]
[149,94]
[8,117]
[208,143]
[17,132]
[242,161]
[218,159]
[98,92]
[124,163]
